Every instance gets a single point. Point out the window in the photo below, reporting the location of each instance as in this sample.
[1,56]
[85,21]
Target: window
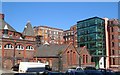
[113,52]
[66,34]
[0,46]
[54,32]
[119,37]
[19,47]
[16,35]
[95,21]
[113,44]
[45,31]
[50,32]
[10,34]
[100,52]
[8,46]
[113,61]
[66,39]
[69,33]
[83,59]
[57,32]
[112,30]
[74,58]
[119,44]
[86,58]
[112,37]
[118,29]
[119,52]
[69,38]
[29,48]
[68,58]
[72,33]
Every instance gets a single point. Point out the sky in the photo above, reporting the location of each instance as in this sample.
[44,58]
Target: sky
[61,0]
[55,14]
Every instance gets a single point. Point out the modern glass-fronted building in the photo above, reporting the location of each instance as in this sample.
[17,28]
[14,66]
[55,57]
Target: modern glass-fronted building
[91,33]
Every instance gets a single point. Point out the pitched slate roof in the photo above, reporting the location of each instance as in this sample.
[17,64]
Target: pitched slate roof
[3,23]
[49,50]
[80,49]
[28,30]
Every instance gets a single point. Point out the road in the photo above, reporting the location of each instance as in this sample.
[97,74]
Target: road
[6,71]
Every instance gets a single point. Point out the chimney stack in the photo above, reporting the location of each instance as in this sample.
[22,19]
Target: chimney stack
[1,16]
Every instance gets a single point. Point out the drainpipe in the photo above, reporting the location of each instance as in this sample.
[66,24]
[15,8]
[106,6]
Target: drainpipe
[107,43]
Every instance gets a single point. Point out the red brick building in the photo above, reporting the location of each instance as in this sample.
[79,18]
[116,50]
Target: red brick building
[114,43]
[49,34]
[85,57]
[62,57]
[70,36]
[15,46]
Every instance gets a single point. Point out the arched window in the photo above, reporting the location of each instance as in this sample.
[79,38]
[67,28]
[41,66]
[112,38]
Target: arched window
[83,59]
[68,57]
[29,48]
[74,58]
[8,46]
[86,58]
[19,47]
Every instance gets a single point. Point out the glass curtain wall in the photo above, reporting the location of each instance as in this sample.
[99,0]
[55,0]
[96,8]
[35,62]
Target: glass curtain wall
[91,33]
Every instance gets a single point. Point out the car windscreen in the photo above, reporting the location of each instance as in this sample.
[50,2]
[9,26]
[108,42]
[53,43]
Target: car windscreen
[37,69]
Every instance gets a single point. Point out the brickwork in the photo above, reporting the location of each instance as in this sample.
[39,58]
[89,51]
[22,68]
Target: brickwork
[114,43]
[49,34]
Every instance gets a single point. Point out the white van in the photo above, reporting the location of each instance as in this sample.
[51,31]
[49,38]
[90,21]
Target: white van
[32,67]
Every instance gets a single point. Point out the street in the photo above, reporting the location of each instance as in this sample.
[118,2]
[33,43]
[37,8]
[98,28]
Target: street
[6,71]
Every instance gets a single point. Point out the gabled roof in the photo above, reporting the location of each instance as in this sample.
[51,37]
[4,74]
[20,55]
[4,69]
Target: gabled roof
[83,49]
[69,47]
[78,49]
[3,23]
[28,30]
[49,50]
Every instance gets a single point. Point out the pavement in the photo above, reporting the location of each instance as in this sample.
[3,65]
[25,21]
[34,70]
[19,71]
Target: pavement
[6,71]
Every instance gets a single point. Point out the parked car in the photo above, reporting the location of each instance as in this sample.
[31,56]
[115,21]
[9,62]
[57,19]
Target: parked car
[106,71]
[75,69]
[79,68]
[117,72]
[56,73]
[80,72]
[71,69]
[92,72]
[89,68]
[75,72]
